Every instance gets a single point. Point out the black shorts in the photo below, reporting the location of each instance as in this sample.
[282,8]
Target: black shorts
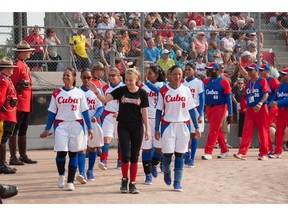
[38,56]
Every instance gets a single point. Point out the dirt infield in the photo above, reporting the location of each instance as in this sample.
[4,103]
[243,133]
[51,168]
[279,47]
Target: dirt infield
[210,182]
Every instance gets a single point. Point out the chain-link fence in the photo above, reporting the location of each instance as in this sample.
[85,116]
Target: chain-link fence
[124,39]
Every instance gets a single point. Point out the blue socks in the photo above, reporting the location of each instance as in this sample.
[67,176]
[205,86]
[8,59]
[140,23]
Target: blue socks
[92,158]
[81,163]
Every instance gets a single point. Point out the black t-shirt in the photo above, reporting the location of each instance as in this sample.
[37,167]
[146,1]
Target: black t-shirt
[130,104]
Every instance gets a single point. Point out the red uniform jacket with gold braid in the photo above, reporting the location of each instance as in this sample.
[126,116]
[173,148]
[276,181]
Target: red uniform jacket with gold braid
[25,97]
[7,112]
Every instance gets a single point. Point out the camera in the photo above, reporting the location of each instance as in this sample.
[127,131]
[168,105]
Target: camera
[23,84]
[13,102]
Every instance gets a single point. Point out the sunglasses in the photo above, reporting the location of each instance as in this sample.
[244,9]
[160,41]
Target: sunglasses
[240,83]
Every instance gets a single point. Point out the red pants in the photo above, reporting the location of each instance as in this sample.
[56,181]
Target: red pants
[282,123]
[260,119]
[272,114]
[215,116]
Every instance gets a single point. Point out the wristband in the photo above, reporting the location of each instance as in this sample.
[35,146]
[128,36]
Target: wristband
[260,103]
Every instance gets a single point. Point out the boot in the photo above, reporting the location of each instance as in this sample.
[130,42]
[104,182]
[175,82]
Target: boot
[22,144]
[4,168]
[178,172]
[12,147]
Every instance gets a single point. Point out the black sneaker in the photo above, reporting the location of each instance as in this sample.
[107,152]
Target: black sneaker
[133,189]
[124,185]
[5,169]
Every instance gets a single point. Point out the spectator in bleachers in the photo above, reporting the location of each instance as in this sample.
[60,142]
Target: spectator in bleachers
[228,64]
[192,27]
[177,25]
[200,67]
[246,59]
[105,25]
[135,24]
[214,39]
[183,41]
[91,22]
[200,46]
[211,48]
[136,46]
[171,18]
[132,15]
[149,30]
[36,41]
[282,23]
[155,19]
[120,26]
[222,20]
[159,42]
[96,49]
[151,53]
[112,19]
[237,52]
[124,40]
[207,27]
[105,52]
[253,39]
[165,61]
[249,26]
[165,26]
[227,43]
[253,50]
[242,41]
[183,60]
[51,41]
[197,17]
[169,45]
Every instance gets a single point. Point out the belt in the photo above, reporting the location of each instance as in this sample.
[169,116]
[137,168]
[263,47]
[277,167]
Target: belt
[213,105]
[58,121]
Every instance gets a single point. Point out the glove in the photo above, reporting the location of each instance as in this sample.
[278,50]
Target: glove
[229,119]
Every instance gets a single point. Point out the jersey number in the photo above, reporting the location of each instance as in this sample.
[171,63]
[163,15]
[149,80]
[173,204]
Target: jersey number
[73,107]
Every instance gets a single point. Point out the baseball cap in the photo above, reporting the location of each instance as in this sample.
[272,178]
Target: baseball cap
[237,45]
[253,33]
[199,55]
[212,65]
[284,71]
[98,65]
[165,51]
[252,66]
[106,15]
[246,53]
[264,67]
[184,52]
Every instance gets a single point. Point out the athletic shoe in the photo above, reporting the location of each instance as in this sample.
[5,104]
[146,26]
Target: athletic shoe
[81,179]
[103,165]
[5,169]
[285,146]
[154,171]
[240,156]
[177,187]
[206,157]
[229,146]
[7,191]
[262,158]
[191,163]
[216,146]
[118,164]
[90,176]
[186,157]
[133,189]
[70,187]
[278,156]
[148,179]
[271,155]
[167,178]
[61,181]
[223,155]
[124,184]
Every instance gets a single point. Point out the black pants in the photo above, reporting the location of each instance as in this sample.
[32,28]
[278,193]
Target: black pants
[82,63]
[6,131]
[130,140]
[22,123]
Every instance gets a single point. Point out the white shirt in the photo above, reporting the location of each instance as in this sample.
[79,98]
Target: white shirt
[113,105]
[175,103]
[93,102]
[196,87]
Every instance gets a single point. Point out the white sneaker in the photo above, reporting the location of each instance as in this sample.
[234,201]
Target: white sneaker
[81,179]
[223,155]
[61,181]
[102,166]
[262,158]
[206,157]
[70,186]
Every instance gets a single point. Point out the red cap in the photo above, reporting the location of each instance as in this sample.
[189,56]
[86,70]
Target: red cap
[284,71]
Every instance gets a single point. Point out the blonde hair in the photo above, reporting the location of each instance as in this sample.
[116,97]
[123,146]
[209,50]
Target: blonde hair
[134,71]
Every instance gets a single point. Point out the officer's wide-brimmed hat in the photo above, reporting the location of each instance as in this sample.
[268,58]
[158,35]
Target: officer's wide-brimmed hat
[7,63]
[23,46]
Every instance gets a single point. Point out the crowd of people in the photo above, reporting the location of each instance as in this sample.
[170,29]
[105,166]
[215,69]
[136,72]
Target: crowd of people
[226,86]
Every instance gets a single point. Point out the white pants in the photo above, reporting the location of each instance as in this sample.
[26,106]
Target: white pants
[98,139]
[147,144]
[109,126]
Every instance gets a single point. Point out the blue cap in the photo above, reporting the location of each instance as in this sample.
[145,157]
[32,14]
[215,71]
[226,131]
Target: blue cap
[212,65]
[264,67]
[237,45]
[252,66]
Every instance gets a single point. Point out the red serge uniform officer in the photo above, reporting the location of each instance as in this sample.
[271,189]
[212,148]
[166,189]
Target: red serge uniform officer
[22,81]
[281,101]
[217,96]
[256,91]
[8,102]
[272,111]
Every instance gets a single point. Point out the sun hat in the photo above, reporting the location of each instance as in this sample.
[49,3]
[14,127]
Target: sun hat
[7,63]
[23,46]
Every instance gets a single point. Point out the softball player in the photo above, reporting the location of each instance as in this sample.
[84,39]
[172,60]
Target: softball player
[256,92]
[272,111]
[217,96]
[156,77]
[197,91]
[67,108]
[176,104]
[95,111]
[281,101]
[109,123]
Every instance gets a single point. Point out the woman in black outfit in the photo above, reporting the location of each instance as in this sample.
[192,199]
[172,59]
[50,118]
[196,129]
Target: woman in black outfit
[133,112]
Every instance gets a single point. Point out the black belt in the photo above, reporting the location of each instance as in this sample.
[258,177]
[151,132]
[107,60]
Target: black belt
[213,105]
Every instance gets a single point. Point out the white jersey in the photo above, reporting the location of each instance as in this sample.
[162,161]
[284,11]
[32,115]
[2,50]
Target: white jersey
[113,105]
[68,105]
[175,103]
[93,102]
[152,98]
[200,68]
[196,87]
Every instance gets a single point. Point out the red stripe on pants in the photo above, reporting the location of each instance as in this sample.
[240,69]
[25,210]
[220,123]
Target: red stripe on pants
[260,119]
[215,116]
[282,123]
